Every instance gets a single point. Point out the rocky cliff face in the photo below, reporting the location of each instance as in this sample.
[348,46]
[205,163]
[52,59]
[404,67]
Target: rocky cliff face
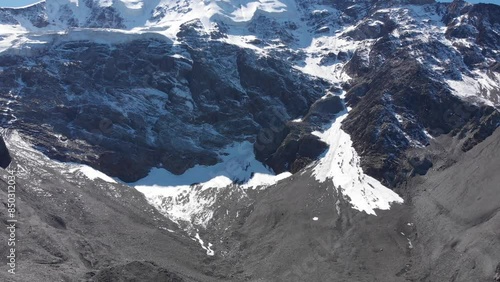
[351,97]
[132,106]
[145,101]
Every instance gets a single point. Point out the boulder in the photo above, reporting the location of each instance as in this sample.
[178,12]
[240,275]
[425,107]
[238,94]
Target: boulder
[420,165]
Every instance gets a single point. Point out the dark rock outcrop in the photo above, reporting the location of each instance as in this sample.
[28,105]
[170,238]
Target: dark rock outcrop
[420,165]
[324,110]
[296,153]
[291,146]
[5,158]
[374,28]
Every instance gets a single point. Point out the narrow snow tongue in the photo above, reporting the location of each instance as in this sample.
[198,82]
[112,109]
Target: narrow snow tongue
[5,158]
[341,165]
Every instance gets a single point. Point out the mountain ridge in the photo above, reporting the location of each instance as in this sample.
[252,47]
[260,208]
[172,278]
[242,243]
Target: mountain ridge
[302,131]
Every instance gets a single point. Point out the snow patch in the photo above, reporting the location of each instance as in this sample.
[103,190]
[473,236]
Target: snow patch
[188,199]
[238,164]
[182,204]
[207,248]
[261,179]
[89,172]
[341,165]
[483,87]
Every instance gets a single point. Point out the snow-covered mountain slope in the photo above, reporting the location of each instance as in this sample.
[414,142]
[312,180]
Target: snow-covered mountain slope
[437,35]
[166,101]
[208,107]
[347,46]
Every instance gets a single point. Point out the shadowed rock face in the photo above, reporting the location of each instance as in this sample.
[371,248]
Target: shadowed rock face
[4,154]
[129,107]
[290,146]
[296,152]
